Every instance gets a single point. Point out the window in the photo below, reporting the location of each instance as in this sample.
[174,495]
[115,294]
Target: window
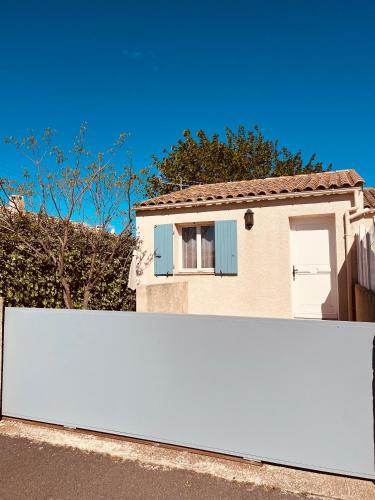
[207,246]
[198,247]
[189,247]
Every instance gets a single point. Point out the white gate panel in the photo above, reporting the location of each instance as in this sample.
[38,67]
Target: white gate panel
[285,391]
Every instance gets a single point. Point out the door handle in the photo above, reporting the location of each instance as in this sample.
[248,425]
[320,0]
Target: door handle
[294,272]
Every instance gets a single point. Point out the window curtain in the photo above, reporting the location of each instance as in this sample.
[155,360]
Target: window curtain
[189,247]
[208,246]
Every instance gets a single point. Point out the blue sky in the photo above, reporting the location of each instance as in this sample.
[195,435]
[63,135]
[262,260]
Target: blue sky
[304,71]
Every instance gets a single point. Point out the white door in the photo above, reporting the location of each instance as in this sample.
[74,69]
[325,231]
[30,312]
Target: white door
[313,268]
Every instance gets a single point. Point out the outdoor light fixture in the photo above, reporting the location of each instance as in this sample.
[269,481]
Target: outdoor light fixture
[249,219]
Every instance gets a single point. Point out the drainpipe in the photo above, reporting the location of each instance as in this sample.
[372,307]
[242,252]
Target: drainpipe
[348,262]
[347,236]
[360,213]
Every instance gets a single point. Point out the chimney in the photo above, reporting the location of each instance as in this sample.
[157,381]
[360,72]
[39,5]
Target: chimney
[16,203]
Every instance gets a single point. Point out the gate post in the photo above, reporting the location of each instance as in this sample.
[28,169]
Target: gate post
[1,353]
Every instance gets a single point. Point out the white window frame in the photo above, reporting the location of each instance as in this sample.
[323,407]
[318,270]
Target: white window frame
[199,269]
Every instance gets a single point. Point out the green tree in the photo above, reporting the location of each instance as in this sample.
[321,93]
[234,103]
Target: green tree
[243,155]
[65,232]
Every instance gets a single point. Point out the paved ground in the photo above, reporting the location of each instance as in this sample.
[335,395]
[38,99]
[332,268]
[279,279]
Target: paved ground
[30,470]
[39,461]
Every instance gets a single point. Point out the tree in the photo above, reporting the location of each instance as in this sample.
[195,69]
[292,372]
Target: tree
[73,202]
[243,155]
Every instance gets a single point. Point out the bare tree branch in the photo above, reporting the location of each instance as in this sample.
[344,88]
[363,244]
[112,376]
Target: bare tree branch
[70,204]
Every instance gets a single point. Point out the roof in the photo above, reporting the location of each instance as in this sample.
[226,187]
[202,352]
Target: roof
[369,197]
[322,181]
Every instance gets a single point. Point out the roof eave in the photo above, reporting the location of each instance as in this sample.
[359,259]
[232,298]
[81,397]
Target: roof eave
[248,199]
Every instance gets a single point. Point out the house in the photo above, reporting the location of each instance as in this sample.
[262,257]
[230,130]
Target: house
[276,247]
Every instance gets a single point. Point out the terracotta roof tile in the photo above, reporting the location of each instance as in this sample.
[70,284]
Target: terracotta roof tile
[369,197]
[259,187]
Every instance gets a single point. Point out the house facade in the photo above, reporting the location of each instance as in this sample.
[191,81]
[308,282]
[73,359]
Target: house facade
[278,247]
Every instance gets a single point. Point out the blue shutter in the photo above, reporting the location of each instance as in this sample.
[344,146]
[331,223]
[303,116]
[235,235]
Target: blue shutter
[226,247]
[163,249]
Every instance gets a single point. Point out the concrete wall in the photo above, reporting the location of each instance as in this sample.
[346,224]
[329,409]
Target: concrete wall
[164,298]
[368,221]
[263,286]
[364,304]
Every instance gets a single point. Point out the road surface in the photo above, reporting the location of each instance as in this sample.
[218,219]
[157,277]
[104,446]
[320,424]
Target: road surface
[49,462]
[40,471]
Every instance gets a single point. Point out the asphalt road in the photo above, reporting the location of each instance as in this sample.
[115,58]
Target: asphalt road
[30,470]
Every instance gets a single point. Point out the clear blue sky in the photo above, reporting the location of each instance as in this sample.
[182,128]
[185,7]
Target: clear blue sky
[304,71]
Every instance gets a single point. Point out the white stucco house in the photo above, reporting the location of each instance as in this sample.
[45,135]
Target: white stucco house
[276,247]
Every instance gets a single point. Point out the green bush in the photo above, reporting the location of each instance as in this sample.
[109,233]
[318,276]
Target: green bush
[30,280]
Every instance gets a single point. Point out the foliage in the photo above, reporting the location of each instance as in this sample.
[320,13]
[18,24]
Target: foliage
[30,280]
[244,155]
[64,233]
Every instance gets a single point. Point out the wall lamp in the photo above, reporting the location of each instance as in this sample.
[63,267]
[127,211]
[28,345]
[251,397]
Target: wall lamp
[249,219]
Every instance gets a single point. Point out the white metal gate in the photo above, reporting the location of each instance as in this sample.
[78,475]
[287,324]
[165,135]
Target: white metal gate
[292,392]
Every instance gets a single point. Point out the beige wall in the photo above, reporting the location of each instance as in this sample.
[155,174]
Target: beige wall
[365,304]
[263,284]
[368,221]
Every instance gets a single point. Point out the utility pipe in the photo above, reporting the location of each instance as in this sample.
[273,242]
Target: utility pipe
[360,213]
[348,261]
